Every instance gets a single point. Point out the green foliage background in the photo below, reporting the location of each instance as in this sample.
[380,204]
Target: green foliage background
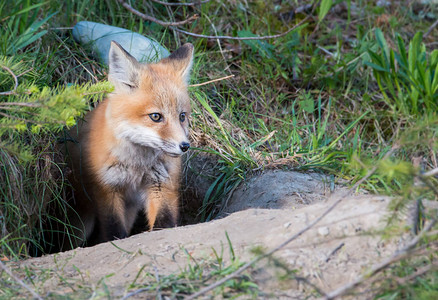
[334,95]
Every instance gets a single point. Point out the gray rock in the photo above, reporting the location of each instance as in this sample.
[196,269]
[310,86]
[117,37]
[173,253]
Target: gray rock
[101,35]
[280,189]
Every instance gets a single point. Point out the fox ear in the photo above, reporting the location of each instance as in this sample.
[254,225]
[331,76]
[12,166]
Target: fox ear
[182,60]
[123,69]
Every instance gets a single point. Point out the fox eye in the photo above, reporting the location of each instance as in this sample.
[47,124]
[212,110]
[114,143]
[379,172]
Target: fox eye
[156,117]
[182,117]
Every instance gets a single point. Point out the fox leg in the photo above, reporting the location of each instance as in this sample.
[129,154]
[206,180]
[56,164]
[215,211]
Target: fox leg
[162,207]
[81,225]
[111,217]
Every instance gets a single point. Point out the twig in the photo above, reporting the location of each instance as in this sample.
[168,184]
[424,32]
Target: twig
[227,37]
[17,118]
[211,81]
[19,281]
[150,295]
[308,282]
[11,125]
[429,185]
[136,292]
[17,110]
[325,51]
[334,251]
[432,233]
[27,120]
[152,19]
[94,93]
[431,173]
[295,236]
[430,28]
[20,104]
[180,4]
[25,72]
[418,273]
[15,79]
[61,28]
[194,17]
[398,255]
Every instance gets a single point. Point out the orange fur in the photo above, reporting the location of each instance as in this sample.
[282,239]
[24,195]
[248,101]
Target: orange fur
[124,158]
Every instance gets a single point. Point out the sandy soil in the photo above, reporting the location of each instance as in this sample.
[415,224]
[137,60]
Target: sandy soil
[330,254]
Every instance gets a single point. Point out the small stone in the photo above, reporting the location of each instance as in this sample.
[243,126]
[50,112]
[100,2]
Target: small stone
[324,231]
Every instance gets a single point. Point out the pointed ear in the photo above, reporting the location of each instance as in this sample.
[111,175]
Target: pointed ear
[182,60]
[124,69]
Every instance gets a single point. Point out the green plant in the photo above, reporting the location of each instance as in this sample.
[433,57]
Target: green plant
[408,81]
[422,287]
[197,274]
[234,157]
[20,25]
[31,172]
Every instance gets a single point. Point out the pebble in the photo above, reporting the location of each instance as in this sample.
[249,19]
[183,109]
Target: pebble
[324,231]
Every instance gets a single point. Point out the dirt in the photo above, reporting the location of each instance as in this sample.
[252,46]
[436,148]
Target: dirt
[264,212]
[282,190]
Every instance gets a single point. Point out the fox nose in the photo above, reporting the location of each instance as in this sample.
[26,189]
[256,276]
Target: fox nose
[184,146]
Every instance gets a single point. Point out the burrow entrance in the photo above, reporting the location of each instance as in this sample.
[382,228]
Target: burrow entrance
[271,189]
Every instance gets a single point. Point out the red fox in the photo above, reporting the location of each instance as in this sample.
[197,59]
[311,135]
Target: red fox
[126,157]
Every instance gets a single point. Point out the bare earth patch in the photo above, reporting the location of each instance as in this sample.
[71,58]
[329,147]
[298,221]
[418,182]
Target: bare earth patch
[329,255]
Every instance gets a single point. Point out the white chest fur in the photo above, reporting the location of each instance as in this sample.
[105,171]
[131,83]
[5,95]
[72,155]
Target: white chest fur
[135,166]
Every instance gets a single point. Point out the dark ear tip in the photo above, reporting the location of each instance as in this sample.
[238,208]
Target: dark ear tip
[183,52]
[190,48]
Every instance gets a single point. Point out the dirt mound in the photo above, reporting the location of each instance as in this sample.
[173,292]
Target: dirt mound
[330,254]
[282,190]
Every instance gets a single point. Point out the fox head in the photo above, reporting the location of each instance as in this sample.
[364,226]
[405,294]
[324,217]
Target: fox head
[150,105]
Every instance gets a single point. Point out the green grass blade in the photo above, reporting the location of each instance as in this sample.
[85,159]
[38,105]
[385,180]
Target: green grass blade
[216,118]
[383,45]
[324,8]
[349,127]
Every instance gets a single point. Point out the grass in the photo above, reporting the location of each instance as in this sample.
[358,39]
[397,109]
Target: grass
[332,96]
[77,284]
[195,275]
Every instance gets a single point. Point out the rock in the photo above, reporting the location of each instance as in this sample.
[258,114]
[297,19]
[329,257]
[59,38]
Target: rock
[281,190]
[101,35]
[323,231]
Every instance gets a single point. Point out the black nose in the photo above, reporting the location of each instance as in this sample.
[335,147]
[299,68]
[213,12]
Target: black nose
[184,146]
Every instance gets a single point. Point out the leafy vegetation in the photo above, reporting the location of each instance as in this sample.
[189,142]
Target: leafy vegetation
[333,95]
[410,78]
